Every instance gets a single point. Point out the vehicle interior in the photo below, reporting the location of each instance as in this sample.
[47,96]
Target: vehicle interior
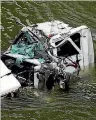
[68,48]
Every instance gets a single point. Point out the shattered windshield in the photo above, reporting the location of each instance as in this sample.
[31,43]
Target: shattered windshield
[25,38]
[41,36]
[25,44]
[30,37]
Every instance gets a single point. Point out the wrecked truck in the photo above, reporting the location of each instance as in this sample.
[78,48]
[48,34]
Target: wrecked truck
[44,54]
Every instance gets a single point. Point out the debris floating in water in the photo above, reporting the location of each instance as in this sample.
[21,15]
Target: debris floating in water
[1,27]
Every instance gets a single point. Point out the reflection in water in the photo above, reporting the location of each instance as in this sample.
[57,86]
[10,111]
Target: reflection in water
[77,103]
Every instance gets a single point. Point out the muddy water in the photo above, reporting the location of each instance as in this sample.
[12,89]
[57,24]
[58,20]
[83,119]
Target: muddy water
[77,103]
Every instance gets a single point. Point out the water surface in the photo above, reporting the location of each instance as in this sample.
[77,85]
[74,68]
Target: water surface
[79,103]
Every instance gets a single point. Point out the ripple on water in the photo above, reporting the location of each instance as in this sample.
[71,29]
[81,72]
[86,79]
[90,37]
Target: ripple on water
[77,103]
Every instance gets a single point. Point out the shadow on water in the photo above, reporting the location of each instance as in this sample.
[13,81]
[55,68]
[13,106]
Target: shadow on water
[77,103]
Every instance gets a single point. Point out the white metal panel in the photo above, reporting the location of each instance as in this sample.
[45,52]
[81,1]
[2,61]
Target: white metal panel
[33,61]
[8,84]
[87,47]
[54,27]
[3,69]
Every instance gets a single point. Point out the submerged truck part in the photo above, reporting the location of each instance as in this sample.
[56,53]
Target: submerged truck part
[8,83]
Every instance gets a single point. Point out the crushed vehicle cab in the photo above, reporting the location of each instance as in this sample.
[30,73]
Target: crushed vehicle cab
[51,49]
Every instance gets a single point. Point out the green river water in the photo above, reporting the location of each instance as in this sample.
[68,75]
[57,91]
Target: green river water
[79,103]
